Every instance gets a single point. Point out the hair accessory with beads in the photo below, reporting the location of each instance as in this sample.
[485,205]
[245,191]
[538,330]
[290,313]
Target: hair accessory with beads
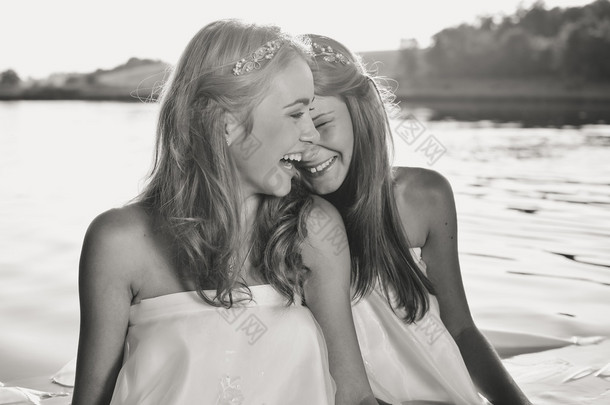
[253,61]
[329,54]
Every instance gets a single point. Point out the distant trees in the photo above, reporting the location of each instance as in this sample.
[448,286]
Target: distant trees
[586,50]
[9,78]
[572,42]
[409,58]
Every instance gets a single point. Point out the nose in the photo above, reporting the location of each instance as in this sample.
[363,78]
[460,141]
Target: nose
[309,132]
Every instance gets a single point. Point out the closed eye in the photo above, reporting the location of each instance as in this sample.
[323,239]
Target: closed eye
[297,115]
[320,125]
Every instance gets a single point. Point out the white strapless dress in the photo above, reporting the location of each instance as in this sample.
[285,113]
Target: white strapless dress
[418,361]
[180,350]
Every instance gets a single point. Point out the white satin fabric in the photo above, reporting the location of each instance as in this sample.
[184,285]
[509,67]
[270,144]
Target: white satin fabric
[180,350]
[418,361]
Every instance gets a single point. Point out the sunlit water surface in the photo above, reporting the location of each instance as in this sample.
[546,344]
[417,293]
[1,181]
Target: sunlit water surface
[533,207]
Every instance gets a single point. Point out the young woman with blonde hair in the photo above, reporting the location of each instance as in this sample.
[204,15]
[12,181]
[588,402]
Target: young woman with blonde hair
[192,293]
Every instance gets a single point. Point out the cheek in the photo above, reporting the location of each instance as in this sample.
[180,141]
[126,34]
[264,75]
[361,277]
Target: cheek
[270,130]
[266,146]
[345,141]
[275,134]
[347,138]
[252,155]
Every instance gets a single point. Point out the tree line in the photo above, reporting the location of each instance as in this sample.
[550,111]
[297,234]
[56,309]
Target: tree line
[565,43]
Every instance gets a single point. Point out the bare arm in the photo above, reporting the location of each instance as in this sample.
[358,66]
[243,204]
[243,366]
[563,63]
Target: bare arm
[440,253]
[327,292]
[105,297]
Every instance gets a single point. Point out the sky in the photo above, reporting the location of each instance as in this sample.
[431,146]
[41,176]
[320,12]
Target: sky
[40,37]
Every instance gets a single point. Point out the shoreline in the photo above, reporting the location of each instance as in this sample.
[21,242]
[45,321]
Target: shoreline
[501,90]
[50,93]
[415,89]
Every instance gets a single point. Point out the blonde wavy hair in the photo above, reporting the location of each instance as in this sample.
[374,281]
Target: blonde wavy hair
[193,191]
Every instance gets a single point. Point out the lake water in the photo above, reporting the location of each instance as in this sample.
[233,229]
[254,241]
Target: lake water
[533,208]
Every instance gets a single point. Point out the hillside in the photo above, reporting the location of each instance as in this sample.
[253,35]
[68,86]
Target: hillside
[136,80]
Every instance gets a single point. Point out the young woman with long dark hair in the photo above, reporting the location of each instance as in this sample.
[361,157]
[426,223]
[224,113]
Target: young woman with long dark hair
[415,330]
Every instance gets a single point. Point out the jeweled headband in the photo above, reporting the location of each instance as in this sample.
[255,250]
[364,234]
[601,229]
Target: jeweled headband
[254,60]
[329,54]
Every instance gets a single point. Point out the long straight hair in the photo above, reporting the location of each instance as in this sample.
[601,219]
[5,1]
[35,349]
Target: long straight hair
[378,243]
[193,190]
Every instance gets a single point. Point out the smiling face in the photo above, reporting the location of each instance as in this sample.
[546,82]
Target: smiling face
[281,128]
[325,165]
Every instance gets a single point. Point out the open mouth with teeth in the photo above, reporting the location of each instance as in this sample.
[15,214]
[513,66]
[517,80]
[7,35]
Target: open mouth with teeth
[288,160]
[320,168]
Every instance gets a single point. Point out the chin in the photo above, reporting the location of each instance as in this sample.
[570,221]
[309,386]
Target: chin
[281,192]
[326,184]
[277,189]
[277,182]
[325,187]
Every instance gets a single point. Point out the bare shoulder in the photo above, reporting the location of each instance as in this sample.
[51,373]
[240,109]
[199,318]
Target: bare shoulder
[326,236]
[419,187]
[120,228]
[422,197]
[321,207]
[116,246]
[323,220]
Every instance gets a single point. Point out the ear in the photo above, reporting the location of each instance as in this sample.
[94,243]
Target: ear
[233,128]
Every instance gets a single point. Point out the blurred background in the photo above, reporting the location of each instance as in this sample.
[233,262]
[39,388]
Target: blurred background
[509,100]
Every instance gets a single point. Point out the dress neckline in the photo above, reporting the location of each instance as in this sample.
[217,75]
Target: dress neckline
[193,293]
